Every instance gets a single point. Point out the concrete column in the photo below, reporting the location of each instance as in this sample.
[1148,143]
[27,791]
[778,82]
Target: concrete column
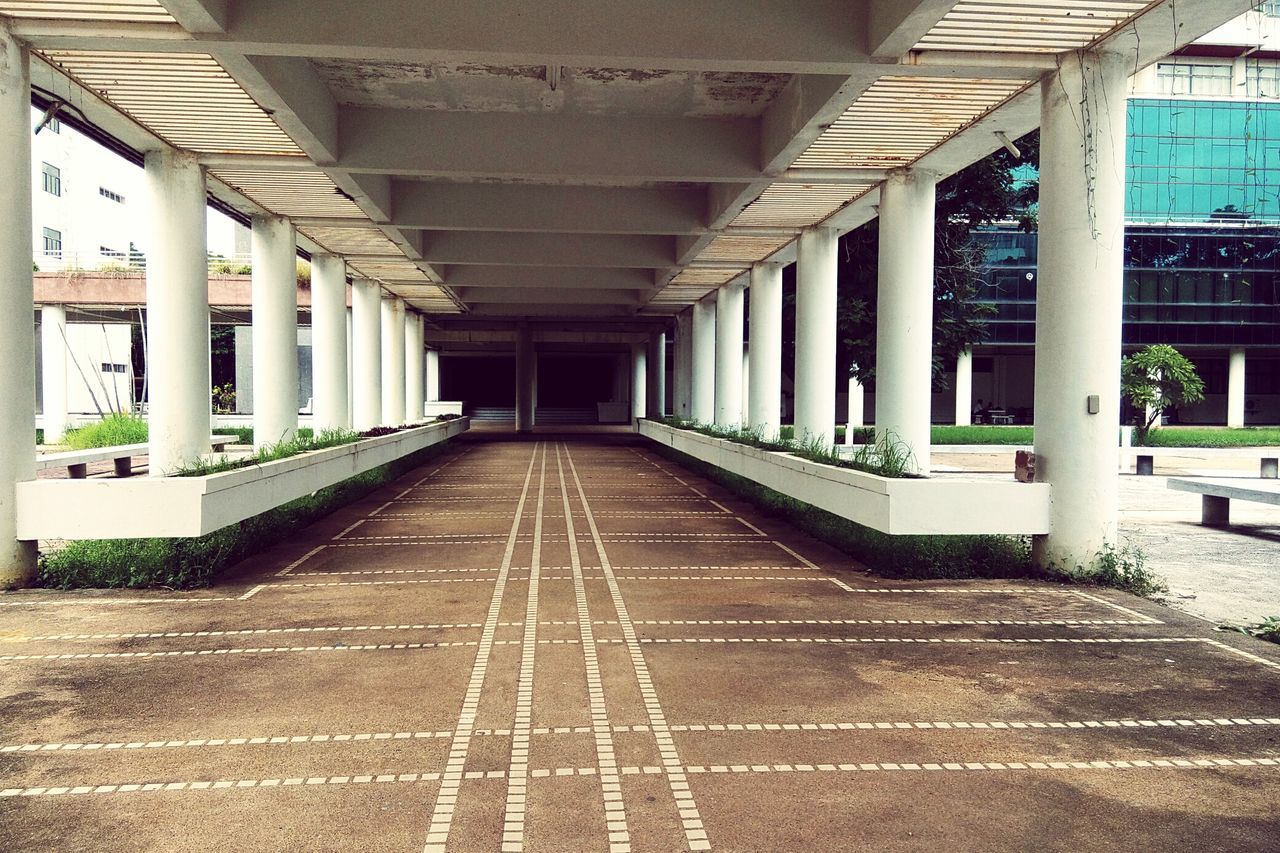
[53,371]
[764,395]
[329,343]
[1235,388]
[729,305]
[526,379]
[177,312]
[964,388]
[815,378]
[393,361]
[656,392]
[904,315]
[682,402]
[413,367]
[702,400]
[17,331]
[639,380]
[745,411]
[351,401]
[854,414]
[275,331]
[433,375]
[366,353]
[1078,303]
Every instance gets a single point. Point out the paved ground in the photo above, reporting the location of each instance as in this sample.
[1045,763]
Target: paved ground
[578,646]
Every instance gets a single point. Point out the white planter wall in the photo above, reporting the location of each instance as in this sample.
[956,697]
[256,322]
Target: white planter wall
[946,506]
[143,507]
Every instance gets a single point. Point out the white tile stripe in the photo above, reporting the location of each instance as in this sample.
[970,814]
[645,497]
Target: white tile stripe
[230,651]
[881,725]
[298,562]
[447,795]
[236,632]
[691,820]
[1009,641]
[335,572]
[610,781]
[1097,599]
[518,768]
[1218,644]
[1168,763]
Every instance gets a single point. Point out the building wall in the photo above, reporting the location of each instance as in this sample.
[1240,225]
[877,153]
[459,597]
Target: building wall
[99,368]
[244,369]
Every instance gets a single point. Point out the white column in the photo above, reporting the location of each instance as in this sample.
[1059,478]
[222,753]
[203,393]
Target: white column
[904,314]
[275,331]
[764,396]
[1235,388]
[17,329]
[964,388]
[1078,303]
[177,312]
[392,361]
[639,381]
[682,401]
[815,378]
[526,379]
[433,375]
[854,415]
[729,305]
[53,371]
[413,367]
[702,385]
[366,354]
[329,343]
[656,389]
[745,410]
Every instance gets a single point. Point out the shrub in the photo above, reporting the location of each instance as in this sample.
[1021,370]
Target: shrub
[111,431]
[1123,568]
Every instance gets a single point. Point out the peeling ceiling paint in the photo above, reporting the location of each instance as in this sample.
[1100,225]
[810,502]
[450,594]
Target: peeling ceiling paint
[526,88]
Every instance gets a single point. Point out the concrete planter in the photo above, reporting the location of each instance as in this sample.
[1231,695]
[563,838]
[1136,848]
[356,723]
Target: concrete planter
[143,507]
[948,506]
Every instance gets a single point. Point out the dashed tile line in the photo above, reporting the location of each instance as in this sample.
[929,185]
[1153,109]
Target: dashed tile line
[1172,722]
[229,651]
[391,572]
[447,795]
[298,562]
[378,510]
[377,583]
[944,622]
[928,641]
[601,730]
[350,527]
[252,592]
[1097,599]
[104,600]
[841,584]
[513,818]
[1168,763]
[236,632]
[1218,644]
[691,820]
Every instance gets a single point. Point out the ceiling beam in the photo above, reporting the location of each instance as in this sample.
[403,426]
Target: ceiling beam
[542,296]
[547,147]
[895,26]
[198,16]
[547,250]
[547,207]
[548,278]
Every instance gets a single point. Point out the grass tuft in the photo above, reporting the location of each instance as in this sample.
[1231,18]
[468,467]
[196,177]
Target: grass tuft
[272,452]
[111,431]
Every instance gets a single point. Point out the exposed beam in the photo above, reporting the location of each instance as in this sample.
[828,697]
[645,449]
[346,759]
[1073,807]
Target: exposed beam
[536,296]
[896,26]
[296,97]
[546,207]
[547,250]
[547,147]
[551,278]
[199,16]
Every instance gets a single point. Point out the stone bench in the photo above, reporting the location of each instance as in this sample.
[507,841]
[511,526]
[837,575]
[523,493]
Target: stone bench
[1144,457]
[77,461]
[1217,494]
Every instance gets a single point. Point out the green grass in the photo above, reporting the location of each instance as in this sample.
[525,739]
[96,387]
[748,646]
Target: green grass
[981,434]
[1214,437]
[195,562]
[272,452]
[39,436]
[111,431]
[244,435]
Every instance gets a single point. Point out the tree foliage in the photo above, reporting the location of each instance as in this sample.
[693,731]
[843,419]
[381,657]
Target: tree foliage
[1157,378]
[991,190]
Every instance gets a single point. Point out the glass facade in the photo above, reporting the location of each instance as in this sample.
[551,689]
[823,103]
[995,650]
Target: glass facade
[1206,286]
[1201,160]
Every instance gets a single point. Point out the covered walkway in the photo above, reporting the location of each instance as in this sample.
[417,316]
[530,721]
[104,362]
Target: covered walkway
[576,645]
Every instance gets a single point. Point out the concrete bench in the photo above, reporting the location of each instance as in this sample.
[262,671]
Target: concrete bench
[77,461]
[1144,457]
[1217,494]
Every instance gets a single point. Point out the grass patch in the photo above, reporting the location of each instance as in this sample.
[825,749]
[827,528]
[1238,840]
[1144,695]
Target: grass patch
[271,453]
[1213,437]
[111,431]
[195,562]
[244,435]
[981,434]
[1122,568]
[40,436]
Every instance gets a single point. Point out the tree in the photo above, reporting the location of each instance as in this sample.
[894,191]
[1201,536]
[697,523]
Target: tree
[1155,379]
[998,188]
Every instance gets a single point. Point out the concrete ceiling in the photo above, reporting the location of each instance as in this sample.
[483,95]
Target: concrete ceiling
[576,158]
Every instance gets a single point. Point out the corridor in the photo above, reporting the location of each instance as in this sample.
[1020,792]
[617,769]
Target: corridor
[563,645]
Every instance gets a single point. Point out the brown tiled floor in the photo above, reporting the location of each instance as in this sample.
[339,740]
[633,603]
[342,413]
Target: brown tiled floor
[578,646]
